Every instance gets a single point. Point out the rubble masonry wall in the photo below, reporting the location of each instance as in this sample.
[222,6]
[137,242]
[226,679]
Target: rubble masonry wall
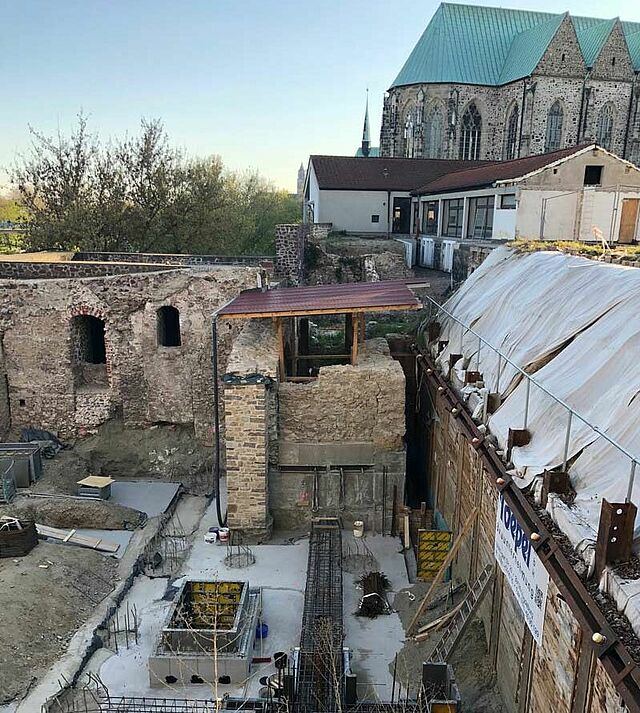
[145,383]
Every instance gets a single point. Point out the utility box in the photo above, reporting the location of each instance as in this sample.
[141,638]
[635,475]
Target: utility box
[27,462]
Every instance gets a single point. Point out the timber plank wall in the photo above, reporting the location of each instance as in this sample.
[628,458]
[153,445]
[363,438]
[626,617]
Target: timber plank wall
[563,675]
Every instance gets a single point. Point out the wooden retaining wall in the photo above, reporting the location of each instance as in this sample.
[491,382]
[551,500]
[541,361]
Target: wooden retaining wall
[563,675]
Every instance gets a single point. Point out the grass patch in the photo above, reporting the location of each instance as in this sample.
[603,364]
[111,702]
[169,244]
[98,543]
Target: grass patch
[575,247]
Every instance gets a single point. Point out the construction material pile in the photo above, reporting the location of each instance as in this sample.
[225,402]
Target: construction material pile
[374,598]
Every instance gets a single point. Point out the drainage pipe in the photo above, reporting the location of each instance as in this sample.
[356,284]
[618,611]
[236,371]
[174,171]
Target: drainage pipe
[222,520]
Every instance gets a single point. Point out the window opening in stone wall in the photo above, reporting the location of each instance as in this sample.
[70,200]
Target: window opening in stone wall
[169,327]
[375,218]
[471,133]
[409,136]
[453,215]
[592,175]
[555,118]
[433,130]
[511,139]
[89,354]
[605,126]
[480,224]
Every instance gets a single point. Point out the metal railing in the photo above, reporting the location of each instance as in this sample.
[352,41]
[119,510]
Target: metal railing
[529,380]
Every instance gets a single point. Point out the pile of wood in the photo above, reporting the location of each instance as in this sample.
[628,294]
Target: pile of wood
[374,598]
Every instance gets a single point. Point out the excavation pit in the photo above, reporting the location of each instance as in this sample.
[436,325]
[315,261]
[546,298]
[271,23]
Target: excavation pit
[208,635]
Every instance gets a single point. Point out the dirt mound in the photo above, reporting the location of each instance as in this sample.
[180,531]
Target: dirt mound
[164,452]
[68,513]
[44,598]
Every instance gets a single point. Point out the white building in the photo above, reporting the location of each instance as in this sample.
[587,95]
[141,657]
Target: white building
[581,193]
[368,195]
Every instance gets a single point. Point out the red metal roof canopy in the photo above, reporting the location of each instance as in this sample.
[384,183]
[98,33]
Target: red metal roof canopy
[324,299]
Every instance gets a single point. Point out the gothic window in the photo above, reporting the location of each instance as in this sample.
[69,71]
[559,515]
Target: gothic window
[605,126]
[511,135]
[433,130]
[409,136]
[470,135]
[555,118]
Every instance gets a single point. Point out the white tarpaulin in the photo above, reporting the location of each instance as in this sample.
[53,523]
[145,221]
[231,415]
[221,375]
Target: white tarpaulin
[581,317]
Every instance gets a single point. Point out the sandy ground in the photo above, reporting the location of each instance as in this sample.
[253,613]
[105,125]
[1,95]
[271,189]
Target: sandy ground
[472,670]
[44,597]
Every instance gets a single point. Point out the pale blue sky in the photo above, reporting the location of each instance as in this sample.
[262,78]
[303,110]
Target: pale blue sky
[263,83]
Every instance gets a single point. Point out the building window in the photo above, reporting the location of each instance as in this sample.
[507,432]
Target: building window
[453,215]
[508,201]
[480,224]
[605,126]
[511,137]
[433,130]
[555,118]
[592,175]
[409,136]
[430,218]
[375,218]
[169,327]
[471,134]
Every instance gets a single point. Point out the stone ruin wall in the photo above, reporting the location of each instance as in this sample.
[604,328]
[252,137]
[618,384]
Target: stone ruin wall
[144,383]
[276,432]
[349,416]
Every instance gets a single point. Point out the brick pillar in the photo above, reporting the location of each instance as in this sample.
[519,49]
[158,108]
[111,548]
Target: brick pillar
[246,426]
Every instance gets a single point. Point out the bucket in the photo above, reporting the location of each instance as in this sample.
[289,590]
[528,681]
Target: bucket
[223,534]
[210,536]
[358,528]
[262,631]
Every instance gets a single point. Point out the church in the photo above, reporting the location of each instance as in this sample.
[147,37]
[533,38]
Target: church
[497,84]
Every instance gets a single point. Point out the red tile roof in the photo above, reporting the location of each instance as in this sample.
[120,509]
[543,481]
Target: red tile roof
[350,173]
[323,299]
[487,175]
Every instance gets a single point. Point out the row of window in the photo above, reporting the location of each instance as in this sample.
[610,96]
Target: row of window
[471,131]
[480,212]
[88,335]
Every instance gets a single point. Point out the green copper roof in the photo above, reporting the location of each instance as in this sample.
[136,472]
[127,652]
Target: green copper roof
[470,44]
[374,152]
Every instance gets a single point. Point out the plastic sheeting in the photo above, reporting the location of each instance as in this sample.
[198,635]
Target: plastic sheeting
[575,323]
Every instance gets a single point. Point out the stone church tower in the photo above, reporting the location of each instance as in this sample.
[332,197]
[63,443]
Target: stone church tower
[492,83]
[301,177]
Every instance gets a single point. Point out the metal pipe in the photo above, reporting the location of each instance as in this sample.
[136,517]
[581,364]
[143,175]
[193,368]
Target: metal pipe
[632,477]
[526,403]
[542,388]
[222,519]
[566,443]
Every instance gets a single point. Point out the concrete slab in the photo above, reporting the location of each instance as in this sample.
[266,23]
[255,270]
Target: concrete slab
[149,496]
[279,569]
[374,642]
[281,572]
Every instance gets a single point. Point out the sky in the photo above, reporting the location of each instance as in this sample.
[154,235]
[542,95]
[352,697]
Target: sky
[262,83]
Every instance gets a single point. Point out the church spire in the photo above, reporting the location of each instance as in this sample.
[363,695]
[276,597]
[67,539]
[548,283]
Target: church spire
[366,141]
